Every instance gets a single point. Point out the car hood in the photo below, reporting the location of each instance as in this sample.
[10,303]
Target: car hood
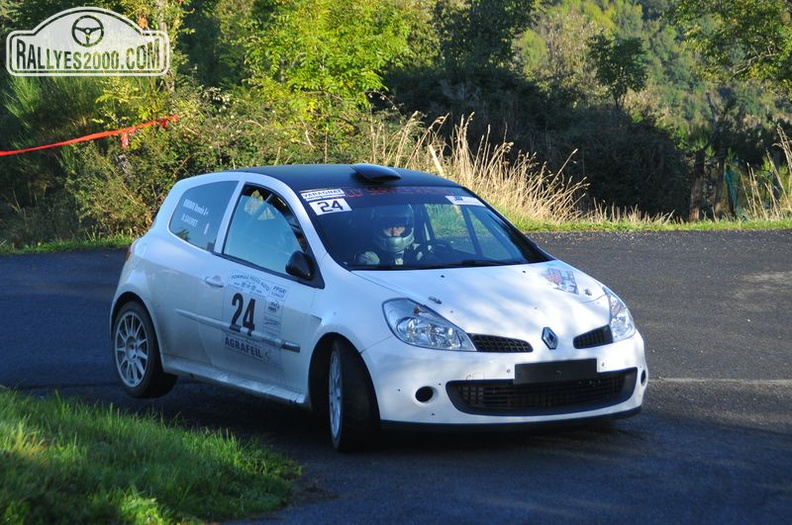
[516,301]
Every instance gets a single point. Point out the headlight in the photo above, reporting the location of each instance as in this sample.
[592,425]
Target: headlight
[621,321]
[419,326]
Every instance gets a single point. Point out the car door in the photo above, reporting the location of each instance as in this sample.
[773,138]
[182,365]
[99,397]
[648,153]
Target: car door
[176,274]
[256,317]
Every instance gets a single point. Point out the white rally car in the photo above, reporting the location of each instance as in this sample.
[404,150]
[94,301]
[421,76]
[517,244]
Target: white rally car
[377,297]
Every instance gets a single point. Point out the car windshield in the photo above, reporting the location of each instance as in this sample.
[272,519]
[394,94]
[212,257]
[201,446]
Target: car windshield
[414,227]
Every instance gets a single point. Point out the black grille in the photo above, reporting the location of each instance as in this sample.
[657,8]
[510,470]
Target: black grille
[493,343]
[597,337]
[503,397]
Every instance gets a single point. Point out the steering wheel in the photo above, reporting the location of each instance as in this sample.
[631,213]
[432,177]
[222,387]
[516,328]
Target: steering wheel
[435,250]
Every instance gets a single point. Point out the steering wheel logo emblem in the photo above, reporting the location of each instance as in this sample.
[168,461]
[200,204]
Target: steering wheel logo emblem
[87,31]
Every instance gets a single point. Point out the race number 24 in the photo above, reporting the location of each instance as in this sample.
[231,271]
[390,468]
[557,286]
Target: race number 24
[247,313]
[326,206]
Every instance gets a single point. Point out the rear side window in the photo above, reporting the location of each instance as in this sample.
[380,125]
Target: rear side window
[199,213]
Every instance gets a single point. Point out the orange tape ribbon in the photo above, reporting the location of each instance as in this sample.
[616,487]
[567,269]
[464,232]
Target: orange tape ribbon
[124,132]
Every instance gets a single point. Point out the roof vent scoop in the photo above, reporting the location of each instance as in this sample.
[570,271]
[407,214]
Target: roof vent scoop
[375,173]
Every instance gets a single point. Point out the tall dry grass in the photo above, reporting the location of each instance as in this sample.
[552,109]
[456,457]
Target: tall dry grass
[767,193]
[516,183]
[601,213]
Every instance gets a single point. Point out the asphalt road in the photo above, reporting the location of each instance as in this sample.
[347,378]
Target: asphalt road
[713,444]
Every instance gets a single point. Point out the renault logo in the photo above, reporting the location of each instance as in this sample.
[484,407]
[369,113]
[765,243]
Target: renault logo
[550,338]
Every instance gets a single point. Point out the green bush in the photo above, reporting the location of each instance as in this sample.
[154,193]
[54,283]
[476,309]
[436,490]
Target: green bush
[626,163]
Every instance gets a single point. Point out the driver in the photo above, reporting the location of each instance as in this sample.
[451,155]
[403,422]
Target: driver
[392,237]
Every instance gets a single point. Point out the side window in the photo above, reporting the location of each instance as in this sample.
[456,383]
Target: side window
[263,231]
[491,238]
[472,231]
[199,213]
[449,225]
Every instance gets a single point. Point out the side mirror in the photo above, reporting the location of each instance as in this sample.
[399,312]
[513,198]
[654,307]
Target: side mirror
[300,265]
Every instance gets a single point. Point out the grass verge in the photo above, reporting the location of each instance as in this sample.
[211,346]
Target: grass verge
[528,225]
[118,241]
[66,462]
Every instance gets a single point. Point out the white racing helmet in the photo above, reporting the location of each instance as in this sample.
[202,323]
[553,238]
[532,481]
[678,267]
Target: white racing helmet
[388,217]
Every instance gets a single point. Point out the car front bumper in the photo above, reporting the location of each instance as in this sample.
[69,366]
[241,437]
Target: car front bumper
[437,387]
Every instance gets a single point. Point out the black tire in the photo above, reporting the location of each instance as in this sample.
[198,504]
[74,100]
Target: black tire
[136,354]
[352,408]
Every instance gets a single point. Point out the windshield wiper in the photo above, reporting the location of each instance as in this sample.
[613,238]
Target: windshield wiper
[465,263]
[478,262]
[469,263]
[382,267]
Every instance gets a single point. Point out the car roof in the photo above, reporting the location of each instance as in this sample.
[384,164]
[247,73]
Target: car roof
[319,176]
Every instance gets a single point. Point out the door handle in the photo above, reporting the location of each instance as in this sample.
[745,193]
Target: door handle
[215,282]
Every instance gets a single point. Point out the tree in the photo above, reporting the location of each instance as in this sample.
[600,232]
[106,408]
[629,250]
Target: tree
[741,39]
[620,65]
[315,63]
[554,54]
[328,47]
[478,35]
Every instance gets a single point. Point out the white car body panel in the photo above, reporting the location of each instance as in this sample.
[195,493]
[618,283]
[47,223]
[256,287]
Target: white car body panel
[518,300]
[190,293]
[397,387]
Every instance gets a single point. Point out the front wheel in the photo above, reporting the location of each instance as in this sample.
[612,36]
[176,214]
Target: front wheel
[351,402]
[136,354]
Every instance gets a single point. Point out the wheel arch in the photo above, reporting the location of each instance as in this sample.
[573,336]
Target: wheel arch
[153,380]
[121,300]
[317,374]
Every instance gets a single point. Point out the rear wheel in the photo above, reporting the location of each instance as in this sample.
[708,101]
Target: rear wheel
[351,403]
[136,354]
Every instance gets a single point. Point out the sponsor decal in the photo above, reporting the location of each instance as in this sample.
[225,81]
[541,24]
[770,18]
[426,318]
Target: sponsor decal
[321,194]
[461,200]
[246,347]
[197,208]
[256,309]
[563,280]
[252,285]
[274,308]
